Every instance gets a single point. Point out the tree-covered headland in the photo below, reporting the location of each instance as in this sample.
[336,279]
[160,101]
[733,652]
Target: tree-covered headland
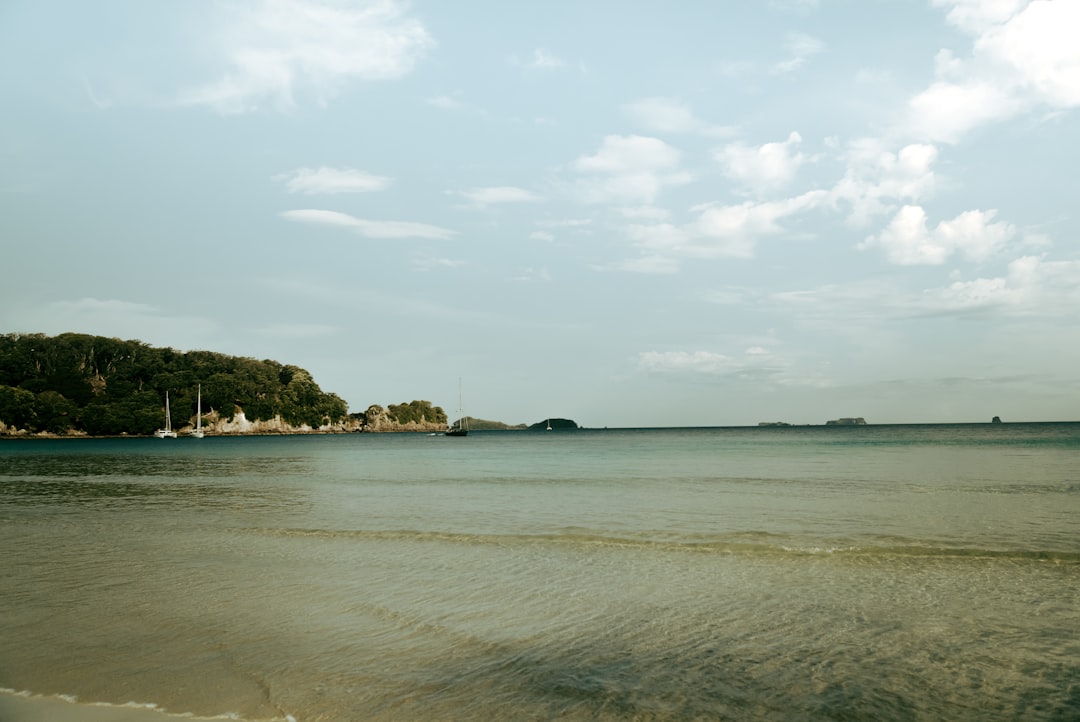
[76,383]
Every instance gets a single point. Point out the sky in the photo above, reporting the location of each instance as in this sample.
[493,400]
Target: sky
[632,213]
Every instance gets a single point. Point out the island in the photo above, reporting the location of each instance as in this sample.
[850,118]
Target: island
[553,424]
[847,421]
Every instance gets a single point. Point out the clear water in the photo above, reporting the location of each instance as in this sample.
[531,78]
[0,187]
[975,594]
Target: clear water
[814,573]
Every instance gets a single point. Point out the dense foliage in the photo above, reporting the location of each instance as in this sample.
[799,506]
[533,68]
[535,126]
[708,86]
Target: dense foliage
[106,386]
[418,412]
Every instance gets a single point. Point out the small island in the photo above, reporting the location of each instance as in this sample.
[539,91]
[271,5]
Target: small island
[847,421]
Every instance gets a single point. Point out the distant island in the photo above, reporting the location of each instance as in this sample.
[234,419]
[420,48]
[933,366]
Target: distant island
[848,421]
[553,424]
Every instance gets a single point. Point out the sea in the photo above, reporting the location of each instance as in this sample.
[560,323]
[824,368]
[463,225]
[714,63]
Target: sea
[878,572]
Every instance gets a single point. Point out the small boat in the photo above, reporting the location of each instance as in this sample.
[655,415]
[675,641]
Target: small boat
[167,432]
[462,427]
[198,432]
[548,425]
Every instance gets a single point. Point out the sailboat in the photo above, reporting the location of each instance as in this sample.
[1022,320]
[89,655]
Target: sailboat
[198,432]
[167,432]
[548,425]
[462,428]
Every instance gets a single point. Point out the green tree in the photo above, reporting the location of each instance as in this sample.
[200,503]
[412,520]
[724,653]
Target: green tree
[17,407]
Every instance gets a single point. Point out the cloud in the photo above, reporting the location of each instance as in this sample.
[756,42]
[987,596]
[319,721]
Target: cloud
[332,180]
[448,103]
[629,169]
[427,262]
[668,115]
[754,362]
[723,231]
[946,112]
[907,240]
[482,197]
[733,230]
[800,47]
[273,49]
[1031,287]
[762,168]
[366,228]
[629,154]
[877,179]
[1024,57]
[543,60]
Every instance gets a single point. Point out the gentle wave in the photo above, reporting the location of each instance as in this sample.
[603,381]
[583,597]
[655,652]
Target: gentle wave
[744,544]
[31,707]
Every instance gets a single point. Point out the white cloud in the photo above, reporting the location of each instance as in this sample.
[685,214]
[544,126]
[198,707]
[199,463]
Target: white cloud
[629,169]
[762,168]
[1031,287]
[427,262]
[946,112]
[668,115]
[734,230]
[753,362]
[1024,57]
[333,180]
[275,48]
[907,240]
[877,179]
[366,228]
[729,231]
[630,154]
[541,236]
[698,362]
[977,16]
[800,47]
[544,60]
[482,197]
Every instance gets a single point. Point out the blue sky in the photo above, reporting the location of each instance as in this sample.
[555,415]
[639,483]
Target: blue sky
[625,213]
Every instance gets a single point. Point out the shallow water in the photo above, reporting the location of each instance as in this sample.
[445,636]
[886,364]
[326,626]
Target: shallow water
[885,572]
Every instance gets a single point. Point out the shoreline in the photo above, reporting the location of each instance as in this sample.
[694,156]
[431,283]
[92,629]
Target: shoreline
[28,707]
[767,427]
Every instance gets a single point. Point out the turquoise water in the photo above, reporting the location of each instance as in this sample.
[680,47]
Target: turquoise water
[818,573]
